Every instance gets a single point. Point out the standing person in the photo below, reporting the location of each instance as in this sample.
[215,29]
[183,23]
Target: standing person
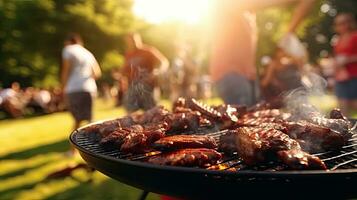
[345,50]
[142,64]
[282,74]
[79,72]
[232,63]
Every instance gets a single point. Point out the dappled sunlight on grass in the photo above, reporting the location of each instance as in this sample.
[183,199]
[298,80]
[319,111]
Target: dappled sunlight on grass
[32,148]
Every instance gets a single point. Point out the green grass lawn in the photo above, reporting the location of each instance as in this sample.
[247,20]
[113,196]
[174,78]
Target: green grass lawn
[32,148]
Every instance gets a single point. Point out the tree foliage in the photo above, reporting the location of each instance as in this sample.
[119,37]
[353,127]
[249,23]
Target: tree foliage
[32,32]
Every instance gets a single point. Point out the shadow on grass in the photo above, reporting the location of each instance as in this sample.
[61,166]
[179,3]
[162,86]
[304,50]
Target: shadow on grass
[60,146]
[22,171]
[12,192]
[109,189]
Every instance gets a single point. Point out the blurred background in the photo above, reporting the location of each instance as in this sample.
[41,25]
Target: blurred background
[34,131]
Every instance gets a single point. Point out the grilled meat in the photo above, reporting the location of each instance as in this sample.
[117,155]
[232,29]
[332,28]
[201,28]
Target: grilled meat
[135,139]
[268,113]
[314,138]
[117,137]
[300,160]
[187,121]
[337,114]
[204,109]
[339,125]
[258,121]
[185,141]
[105,128]
[154,115]
[227,142]
[139,141]
[200,157]
[257,145]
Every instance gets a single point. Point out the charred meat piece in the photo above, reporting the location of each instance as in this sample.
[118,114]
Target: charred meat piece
[299,160]
[105,128]
[337,114]
[200,157]
[117,137]
[275,103]
[340,125]
[229,115]
[256,145]
[227,142]
[258,121]
[314,138]
[183,121]
[277,126]
[139,141]
[185,141]
[268,113]
[179,103]
[204,109]
[154,115]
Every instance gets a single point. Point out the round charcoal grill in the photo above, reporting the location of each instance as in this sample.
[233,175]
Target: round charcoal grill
[229,179]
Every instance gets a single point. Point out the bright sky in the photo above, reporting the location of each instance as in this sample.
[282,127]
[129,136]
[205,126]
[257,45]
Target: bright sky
[158,11]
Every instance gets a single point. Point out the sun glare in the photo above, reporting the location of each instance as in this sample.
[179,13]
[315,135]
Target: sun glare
[158,11]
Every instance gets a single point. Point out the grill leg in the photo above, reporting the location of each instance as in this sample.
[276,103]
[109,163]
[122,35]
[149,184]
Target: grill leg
[143,195]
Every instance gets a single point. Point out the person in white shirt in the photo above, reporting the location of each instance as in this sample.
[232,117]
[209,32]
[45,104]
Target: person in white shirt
[79,72]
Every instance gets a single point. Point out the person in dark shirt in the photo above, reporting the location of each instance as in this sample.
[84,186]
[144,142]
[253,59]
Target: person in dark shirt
[142,64]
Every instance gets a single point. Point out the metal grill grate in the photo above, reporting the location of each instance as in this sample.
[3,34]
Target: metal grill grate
[345,158]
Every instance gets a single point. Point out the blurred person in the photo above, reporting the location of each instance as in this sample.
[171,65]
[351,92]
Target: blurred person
[141,67]
[79,72]
[120,87]
[12,101]
[345,50]
[232,62]
[282,74]
[183,74]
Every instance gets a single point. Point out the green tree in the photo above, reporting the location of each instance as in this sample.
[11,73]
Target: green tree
[32,33]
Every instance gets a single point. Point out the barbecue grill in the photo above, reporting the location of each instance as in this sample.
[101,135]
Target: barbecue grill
[229,179]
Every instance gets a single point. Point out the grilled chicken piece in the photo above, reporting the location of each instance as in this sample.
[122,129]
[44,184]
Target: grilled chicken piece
[200,157]
[257,145]
[314,138]
[185,141]
[300,160]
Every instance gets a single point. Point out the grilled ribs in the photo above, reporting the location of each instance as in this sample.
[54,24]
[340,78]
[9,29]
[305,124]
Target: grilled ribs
[185,141]
[257,145]
[300,160]
[135,139]
[200,157]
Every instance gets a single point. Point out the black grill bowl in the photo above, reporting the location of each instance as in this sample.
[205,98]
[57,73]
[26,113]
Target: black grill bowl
[195,183]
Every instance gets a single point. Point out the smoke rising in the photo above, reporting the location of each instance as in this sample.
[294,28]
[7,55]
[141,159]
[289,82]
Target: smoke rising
[297,101]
